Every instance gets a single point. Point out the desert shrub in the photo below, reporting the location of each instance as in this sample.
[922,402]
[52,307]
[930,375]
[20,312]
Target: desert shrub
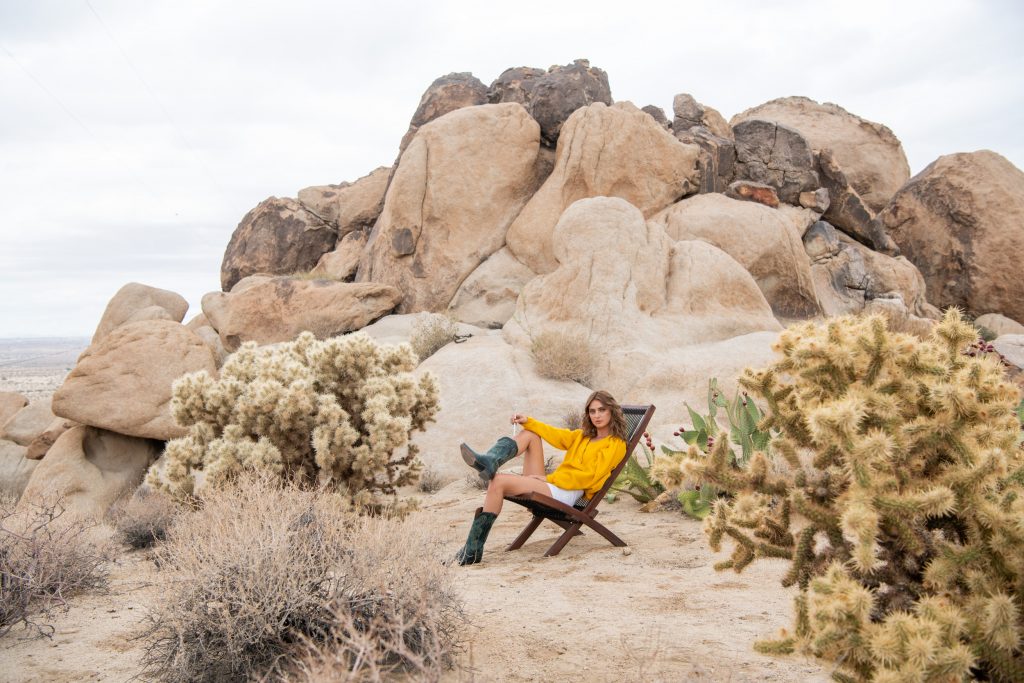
[263,573]
[143,519]
[899,457]
[430,482]
[45,558]
[636,479]
[336,413]
[564,356]
[573,419]
[430,332]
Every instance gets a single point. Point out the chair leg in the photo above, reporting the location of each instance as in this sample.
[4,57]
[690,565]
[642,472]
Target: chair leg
[573,530]
[604,531]
[526,533]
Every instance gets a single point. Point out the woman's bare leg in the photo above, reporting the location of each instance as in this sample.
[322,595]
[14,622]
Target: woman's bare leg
[510,485]
[532,448]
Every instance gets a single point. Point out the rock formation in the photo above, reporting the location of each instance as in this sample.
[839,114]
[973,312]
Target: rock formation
[136,301]
[961,222]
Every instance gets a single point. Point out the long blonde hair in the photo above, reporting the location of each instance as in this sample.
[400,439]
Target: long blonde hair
[617,426]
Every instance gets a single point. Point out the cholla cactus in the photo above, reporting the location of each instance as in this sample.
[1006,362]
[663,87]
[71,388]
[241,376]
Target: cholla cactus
[899,459]
[328,412]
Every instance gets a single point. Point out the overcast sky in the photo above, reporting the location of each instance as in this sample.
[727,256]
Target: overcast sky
[135,135]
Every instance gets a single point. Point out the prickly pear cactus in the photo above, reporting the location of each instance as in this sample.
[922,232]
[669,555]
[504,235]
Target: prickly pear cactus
[896,488]
[331,412]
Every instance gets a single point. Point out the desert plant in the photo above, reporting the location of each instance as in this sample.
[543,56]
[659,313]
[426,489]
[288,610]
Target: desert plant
[430,332]
[899,455]
[430,482]
[564,356]
[262,573]
[336,413]
[45,558]
[144,518]
[573,419]
[743,418]
[635,478]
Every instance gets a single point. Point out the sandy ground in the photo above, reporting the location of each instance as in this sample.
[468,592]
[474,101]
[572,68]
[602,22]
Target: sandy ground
[35,368]
[655,611]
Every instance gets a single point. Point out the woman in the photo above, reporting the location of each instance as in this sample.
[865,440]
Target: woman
[590,455]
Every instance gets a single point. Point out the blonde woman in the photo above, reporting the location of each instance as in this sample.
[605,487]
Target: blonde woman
[590,454]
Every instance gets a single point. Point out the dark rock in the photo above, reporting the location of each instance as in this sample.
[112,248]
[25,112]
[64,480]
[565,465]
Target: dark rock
[514,85]
[847,211]
[717,159]
[446,94]
[552,96]
[658,114]
[753,192]
[777,155]
[278,237]
[687,112]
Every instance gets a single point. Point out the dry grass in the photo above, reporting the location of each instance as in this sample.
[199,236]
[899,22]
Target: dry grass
[263,575]
[45,558]
[143,519]
[573,418]
[564,356]
[430,332]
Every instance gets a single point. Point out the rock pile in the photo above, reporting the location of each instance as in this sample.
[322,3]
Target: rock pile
[676,248]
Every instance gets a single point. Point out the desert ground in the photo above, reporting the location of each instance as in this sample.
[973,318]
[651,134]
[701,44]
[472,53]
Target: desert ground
[654,611]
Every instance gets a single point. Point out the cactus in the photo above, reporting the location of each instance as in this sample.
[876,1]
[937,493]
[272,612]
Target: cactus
[899,458]
[336,413]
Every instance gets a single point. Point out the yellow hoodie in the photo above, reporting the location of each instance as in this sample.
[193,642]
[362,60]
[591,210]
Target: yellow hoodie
[588,462]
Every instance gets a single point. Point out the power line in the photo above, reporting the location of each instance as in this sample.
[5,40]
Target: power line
[49,92]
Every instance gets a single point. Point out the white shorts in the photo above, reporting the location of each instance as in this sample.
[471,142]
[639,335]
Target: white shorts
[563,496]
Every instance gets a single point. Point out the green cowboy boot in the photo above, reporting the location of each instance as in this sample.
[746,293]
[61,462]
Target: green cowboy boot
[473,551]
[488,463]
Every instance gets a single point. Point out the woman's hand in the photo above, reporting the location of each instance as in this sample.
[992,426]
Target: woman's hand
[538,477]
[518,419]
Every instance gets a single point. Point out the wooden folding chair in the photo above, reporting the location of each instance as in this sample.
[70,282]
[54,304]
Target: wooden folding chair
[571,519]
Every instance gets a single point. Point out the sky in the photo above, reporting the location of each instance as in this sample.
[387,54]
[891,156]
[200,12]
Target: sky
[135,135]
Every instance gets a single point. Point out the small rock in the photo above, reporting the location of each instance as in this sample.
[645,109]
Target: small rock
[627,551]
[754,192]
[817,200]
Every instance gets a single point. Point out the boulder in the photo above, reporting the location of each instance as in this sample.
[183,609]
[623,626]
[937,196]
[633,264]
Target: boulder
[10,403]
[999,324]
[27,423]
[551,97]
[771,153]
[477,412]
[348,207]
[135,302]
[717,161]
[15,469]
[898,318]
[614,151]
[870,155]
[658,114]
[689,113]
[279,309]
[278,237]
[961,222]
[445,95]
[198,321]
[123,382]
[1011,346]
[846,210]
[817,201]
[761,239]
[39,446]
[487,298]
[746,190]
[212,339]
[637,293]
[435,228]
[89,469]
[341,264]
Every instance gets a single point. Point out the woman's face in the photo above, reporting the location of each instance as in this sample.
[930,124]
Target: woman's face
[599,414]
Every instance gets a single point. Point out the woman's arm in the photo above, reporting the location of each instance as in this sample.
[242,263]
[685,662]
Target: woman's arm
[559,438]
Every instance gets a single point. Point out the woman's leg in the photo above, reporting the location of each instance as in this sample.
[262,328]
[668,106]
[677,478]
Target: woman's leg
[532,448]
[510,485]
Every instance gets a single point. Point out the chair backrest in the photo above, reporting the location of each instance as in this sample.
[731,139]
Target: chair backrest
[637,418]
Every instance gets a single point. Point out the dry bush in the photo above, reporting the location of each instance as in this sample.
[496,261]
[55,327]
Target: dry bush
[265,573]
[573,418]
[45,558]
[430,482]
[430,332]
[564,356]
[143,519]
